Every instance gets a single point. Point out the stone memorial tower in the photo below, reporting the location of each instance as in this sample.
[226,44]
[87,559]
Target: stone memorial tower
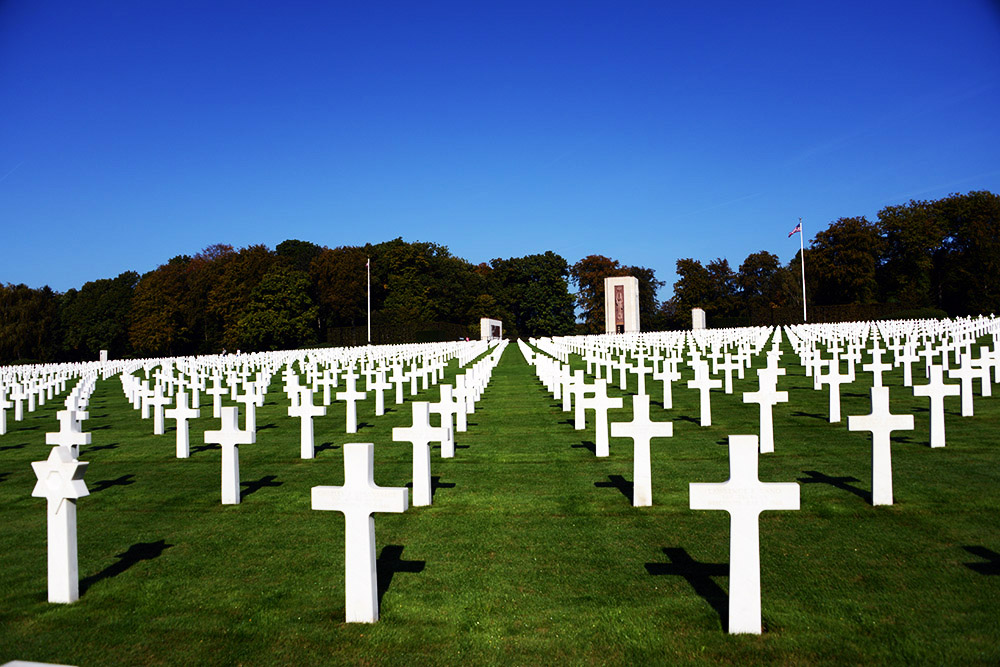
[621,304]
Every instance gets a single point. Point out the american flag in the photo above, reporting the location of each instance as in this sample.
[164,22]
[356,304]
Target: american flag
[798,229]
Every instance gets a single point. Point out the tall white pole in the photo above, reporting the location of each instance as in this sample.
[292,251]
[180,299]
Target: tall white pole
[802,256]
[368,268]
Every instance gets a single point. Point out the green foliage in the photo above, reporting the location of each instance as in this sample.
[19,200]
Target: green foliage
[535,290]
[338,281]
[159,325]
[841,263]
[29,323]
[299,255]
[233,277]
[943,255]
[280,313]
[970,272]
[589,274]
[712,288]
[96,317]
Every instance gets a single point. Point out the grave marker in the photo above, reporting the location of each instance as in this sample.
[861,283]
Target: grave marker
[744,496]
[230,437]
[421,434]
[881,423]
[641,429]
[60,482]
[358,498]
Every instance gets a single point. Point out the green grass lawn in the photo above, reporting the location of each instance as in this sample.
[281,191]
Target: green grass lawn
[531,552]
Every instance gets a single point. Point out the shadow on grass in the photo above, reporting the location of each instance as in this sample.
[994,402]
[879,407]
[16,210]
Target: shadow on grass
[799,413]
[267,426]
[124,480]
[699,575]
[816,477]
[586,444]
[4,475]
[325,446]
[257,485]
[388,563]
[626,487]
[6,447]
[436,484]
[204,448]
[688,418]
[992,564]
[134,554]
[113,445]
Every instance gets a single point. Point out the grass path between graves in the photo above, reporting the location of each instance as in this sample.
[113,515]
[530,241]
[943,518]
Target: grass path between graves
[531,552]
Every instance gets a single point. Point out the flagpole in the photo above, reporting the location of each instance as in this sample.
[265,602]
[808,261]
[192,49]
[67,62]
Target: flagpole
[368,268]
[802,256]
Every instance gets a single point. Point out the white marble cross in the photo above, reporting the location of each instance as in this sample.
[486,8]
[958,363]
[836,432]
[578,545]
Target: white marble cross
[641,370]
[446,407]
[182,413]
[156,403]
[216,392]
[936,390]
[767,396]
[70,435]
[327,380]
[421,434]
[876,367]
[351,395]
[905,358]
[834,378]
[249,399]
[667,376]
[304,409]
[358,498]
[600,403]
[230,437]
[4,406]
[965,373]
[881,423]
[704,383]
[379,386]
[744,496]
[60,482]
[641,429]
[398,378]
[579,389]
[727,366]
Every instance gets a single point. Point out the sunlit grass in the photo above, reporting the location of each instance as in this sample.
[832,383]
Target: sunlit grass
[531,552]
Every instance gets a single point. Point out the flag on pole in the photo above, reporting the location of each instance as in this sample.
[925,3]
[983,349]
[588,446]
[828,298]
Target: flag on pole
[797,230]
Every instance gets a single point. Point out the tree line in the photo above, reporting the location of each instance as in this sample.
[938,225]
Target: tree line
[296,295]
[930,258]
[935,257]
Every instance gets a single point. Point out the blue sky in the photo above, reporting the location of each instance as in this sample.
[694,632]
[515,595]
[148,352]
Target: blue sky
[645,131]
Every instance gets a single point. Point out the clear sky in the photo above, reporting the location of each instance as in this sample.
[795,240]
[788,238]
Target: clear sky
[131,132]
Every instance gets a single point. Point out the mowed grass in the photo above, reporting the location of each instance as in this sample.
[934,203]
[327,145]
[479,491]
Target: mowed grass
[531,552]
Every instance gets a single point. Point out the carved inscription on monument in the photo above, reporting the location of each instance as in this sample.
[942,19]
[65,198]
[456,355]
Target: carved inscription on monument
[620,305]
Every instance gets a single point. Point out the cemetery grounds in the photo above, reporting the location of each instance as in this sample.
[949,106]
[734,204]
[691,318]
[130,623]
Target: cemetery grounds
[531,552]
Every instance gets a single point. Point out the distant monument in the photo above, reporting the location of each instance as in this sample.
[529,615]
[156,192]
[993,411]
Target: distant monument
[697,319]
[621,304]
[490,329]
